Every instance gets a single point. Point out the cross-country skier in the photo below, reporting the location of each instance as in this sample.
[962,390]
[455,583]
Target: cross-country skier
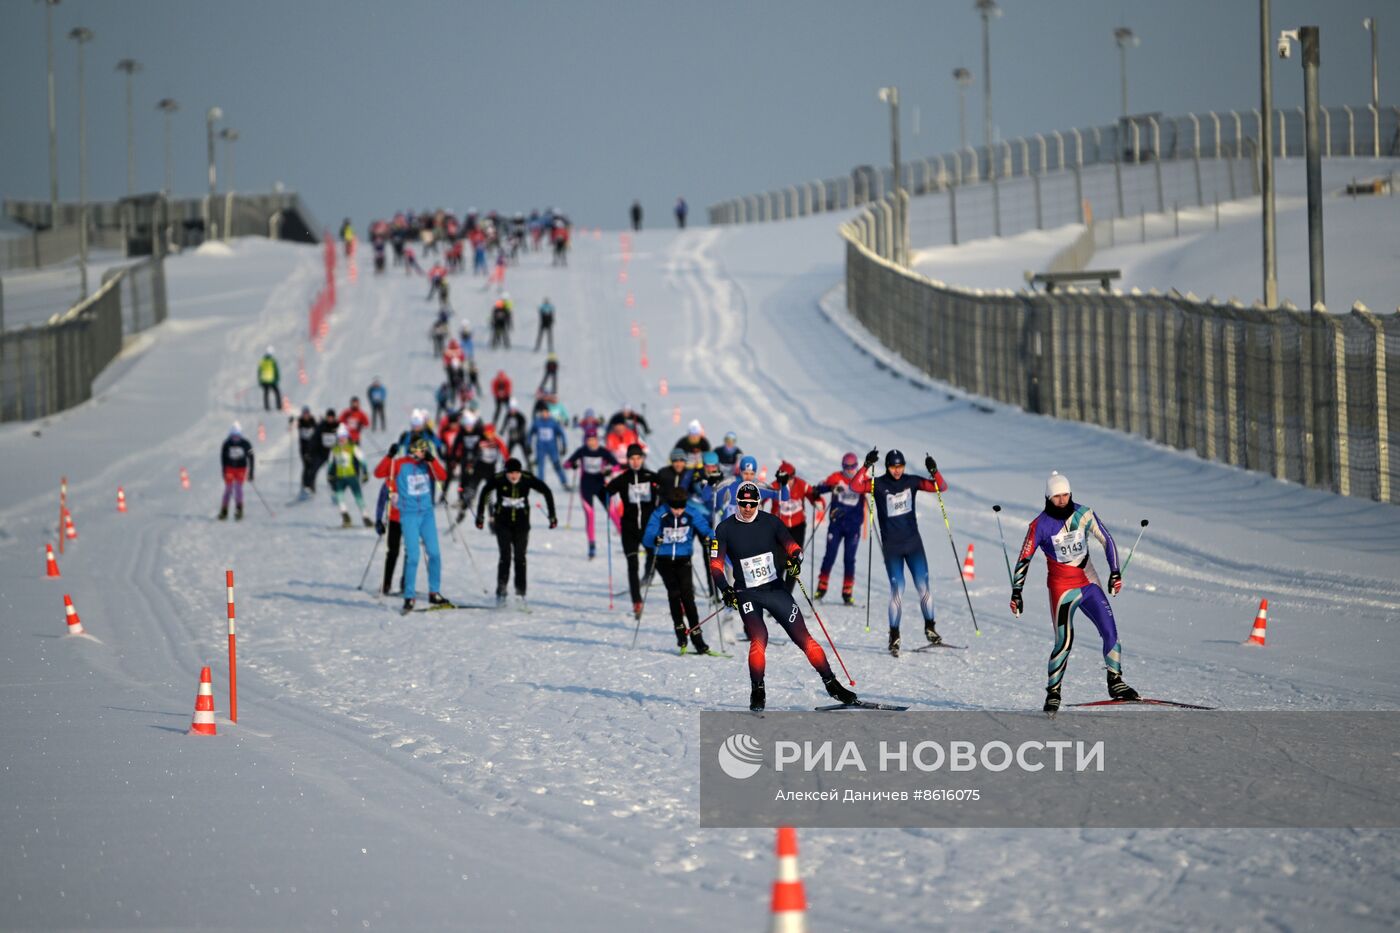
[268,378]
[500,391]
[386,515]
[236,458]
[510,522]
[354,419]
[551,376]
[309,446]
[638,489]
[694,444]
[729,453]
[516,432]
[595,464]
[845,516]
[760,550]
[546,331]
[669,538]
[377,395]
[632,419]
[413,484]
[894,494]
[329,423]
[345,473]
[792,511]
[1062,531]
[547,440]
[677,475]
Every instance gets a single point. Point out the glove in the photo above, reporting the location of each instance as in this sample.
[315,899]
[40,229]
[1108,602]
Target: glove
[658,542]
[871,457]
[250,474]
[794,565]
[393,449]
[731,598]
[379,528]
[931,464]
[1018,605]
[1115,583]
[553,522]
[480,522]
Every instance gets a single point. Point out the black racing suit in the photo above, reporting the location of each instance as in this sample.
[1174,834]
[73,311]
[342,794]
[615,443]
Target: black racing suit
[510,520]
[639,491]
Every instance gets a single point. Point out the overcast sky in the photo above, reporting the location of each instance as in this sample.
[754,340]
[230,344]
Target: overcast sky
[365,107]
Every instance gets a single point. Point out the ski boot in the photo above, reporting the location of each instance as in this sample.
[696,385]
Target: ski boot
[407,607]
[637,611]
[838,690]
[700,647]
[821,591]
[238,512]
[592,549]
[758,698]
[1118,690]
[344,519]
[500,598]
[223,514]
[1052,699]
[848,599]
[931,633]
[680,645]
[369,522]
[894,642]
[436,599]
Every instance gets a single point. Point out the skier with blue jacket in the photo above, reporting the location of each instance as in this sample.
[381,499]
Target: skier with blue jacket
[413,494]
[670,535]
[547,439]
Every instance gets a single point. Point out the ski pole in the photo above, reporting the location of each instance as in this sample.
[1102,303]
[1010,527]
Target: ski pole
[262,500]
[817,615]
[1004,555]
[961,579]
[707,618]
[870,550]
[718,628]
[365,576]
[1133,549]
[290,467]
[569,519]
[635,632]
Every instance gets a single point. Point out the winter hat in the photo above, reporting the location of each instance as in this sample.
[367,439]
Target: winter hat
[677,496]
[711,458]
[590,431]
[514,405]
[342,432]
[731,438]
[849,461]
[635,450]
[695,428]
[236,430]
[786,469]
[894,458]
[748,463]
[677,454]
[269,349]
[748,492]
[1056,485]
[418,418]
[513,465]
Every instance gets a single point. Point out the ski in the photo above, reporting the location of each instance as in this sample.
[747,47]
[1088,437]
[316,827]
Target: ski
[1147,701]
[712,653]
[445,608]
[860,704]
[941,644]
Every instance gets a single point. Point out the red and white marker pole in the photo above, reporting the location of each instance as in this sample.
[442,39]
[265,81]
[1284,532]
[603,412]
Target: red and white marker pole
[62,509]
[232,653]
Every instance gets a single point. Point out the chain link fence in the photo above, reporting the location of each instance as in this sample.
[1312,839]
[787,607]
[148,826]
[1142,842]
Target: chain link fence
[1310,397]
[50,367]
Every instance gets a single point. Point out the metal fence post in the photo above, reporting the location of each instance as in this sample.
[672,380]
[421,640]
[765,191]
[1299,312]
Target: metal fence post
[1378,373]
[1039,213]
[1342,451]
[953,214]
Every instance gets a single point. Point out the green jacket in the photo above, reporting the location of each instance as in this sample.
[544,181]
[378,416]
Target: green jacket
[268,374]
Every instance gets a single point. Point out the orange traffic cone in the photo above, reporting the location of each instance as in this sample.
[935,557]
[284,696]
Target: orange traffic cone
[631,301]
[1261,622]
[184,478]
[636,331]
[969,567]
[203,723]
[121,499]
[75,624]
[664,388]
[676,415]
[69,530]
[789,899]
[52,568]
[262,433]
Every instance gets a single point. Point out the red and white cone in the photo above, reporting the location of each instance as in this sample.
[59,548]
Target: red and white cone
[75,624]
[969,567]
[51,569]
[631,300]
[203,723]
[262,433]
[121,499]
[184,478]
[664,388]
[1261,622]
[70,531]
[789,899]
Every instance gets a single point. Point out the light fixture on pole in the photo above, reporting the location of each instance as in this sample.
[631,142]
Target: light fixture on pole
[131,66]
[964,78]
[1369,24]
[213,116]
[168,106]
[989,9]
[1125,39]
[230,136]
[890,95]
[82,35]
[53,115]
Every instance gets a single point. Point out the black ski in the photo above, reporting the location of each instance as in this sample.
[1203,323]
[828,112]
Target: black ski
[1142,701]
[941,644]
[860,704]
[445,608]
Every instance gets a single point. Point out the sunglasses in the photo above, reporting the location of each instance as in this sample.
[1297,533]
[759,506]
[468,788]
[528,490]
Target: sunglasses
[748,505]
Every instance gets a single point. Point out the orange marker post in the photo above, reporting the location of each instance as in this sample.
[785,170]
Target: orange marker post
[62,509]
[232,653]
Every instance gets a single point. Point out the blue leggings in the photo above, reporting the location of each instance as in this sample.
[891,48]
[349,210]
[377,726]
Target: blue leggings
[844,533]
[417,525]
[549,455]
[1095,605]
[918,569]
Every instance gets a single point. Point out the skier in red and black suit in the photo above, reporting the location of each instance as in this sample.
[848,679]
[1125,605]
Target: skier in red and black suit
[760,551]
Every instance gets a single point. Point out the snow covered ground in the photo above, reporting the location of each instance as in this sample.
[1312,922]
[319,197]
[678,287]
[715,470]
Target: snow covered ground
[485,769]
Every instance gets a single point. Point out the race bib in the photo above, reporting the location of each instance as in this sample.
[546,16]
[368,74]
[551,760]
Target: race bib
[1070,546]
[592,465]
[899,503]
[790,506]
[418,484]
[328,438]
[675,535]
[759,569]
[638,493]
[512,502]
[546,435]
[235,453]
[846,496]
[490,454]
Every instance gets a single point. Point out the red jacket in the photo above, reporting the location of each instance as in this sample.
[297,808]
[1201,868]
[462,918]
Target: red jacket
[792,511]
[356,421]
[386,469]
[500,386]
